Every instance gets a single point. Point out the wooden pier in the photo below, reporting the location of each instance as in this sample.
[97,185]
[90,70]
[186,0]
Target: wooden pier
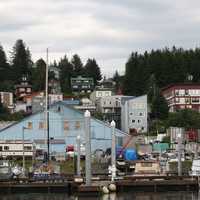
[145,183]
[136,183]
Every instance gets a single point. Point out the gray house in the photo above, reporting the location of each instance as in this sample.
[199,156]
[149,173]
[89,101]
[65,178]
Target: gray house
[134,114]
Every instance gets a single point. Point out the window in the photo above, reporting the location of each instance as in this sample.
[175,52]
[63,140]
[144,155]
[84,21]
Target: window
[187,100]
[106,94]
[77,125]
[188,106]
[22,89]
[133,121]
[176,92]
[30,125]
[186,92]
[177,100]
[28,89]
[6,148]
[181,92]
[100,94]
[139,121]
[141,114]
[41,125]
[195,100]
[1,148]
[66,125]
[146,164]
[27,148]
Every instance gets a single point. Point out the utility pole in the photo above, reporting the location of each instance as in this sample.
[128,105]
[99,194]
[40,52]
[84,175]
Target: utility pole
[47,103]
[113,151]
[87,148]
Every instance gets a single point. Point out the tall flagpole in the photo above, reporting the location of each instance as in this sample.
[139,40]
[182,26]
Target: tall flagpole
[46,102]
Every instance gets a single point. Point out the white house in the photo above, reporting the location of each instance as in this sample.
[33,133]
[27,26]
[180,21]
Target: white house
[99,93]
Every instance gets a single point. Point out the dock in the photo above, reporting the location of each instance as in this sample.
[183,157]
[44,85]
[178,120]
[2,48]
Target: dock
[136,183]
[143,183]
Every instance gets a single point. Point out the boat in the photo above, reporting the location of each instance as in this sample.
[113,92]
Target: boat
[150,167]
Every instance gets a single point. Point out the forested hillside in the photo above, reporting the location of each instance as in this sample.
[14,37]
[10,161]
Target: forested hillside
[160,68]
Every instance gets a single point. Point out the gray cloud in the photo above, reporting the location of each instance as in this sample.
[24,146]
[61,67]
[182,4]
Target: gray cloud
[107,30]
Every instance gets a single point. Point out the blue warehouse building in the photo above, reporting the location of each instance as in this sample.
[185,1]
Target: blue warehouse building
[65,124]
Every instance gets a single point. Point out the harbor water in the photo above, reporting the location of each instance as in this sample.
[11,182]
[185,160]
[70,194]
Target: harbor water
[120,196]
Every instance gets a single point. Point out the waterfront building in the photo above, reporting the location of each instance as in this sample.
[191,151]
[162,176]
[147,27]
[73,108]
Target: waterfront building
[65,124]
[14,149]
[182,96]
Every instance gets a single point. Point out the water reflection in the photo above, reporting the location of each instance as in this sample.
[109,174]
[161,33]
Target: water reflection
[121,196]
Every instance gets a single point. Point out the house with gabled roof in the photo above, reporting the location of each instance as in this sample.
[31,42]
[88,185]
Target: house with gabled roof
[65,124]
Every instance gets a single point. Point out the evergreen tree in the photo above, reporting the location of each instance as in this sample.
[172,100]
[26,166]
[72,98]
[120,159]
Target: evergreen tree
[21,60]
[4,67]
[168,66]
[77,65]
[159,107]
[152,88]
[117,79]
[92,70]
[136,76]
[66,72]
[6,74]
[39,75]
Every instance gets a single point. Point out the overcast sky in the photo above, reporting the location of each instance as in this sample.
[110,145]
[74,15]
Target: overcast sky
[108,30]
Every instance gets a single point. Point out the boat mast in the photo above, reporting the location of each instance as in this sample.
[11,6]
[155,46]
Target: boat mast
[47,103]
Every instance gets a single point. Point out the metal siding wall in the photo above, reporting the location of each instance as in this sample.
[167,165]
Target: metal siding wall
[101,133]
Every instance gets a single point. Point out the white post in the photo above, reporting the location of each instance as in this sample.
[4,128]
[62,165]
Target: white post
[87,148]
[78,139]
[179,154]
[113,151]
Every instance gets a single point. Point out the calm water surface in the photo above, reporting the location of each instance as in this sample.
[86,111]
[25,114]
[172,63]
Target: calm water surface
[121,196]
